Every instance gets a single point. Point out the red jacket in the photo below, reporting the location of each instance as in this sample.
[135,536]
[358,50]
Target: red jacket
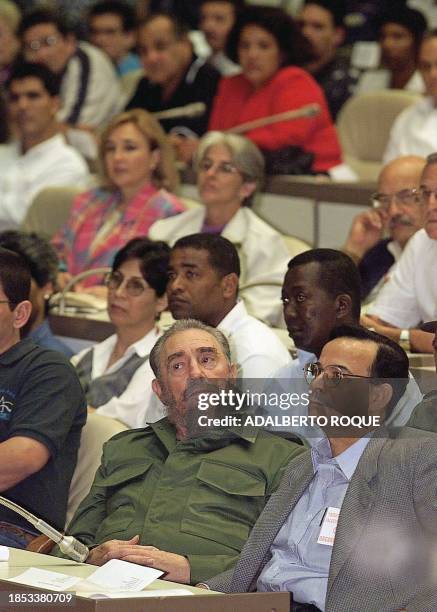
[290,88]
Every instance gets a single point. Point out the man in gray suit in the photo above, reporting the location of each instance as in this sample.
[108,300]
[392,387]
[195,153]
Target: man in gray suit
[353,524]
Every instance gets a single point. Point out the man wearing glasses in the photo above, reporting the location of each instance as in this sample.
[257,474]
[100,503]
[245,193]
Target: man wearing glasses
[410,295]
[90,92]
[378,236]
[352,524]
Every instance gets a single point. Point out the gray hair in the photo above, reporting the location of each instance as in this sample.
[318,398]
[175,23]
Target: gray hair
[10,14]
[180,326]
[246,156]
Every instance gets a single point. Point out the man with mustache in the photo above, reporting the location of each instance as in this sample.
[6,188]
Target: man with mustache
[352,524]
[171,496]
[397,211]
[410,295]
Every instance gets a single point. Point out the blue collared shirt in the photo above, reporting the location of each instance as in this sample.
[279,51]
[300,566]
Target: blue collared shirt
[299,564]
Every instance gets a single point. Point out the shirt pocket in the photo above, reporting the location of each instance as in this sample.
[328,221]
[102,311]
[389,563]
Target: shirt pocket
[124,493]
[223,504]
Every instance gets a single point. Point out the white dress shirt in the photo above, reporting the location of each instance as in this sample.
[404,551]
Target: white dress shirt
[136,406]
[410,295]
[48,164]
[414,131]
[254,346]
[263,256]
[90,88]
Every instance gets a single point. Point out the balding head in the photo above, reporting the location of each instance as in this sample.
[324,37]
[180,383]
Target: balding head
[404,215]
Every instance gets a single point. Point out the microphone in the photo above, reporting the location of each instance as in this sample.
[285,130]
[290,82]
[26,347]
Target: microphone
[310,110]
[68,544]
[189,110]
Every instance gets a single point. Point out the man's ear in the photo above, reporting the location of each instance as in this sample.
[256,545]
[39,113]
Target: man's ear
[381,395]
[21,314]
[230,285]
[157,389]
[343,306]
[55,105]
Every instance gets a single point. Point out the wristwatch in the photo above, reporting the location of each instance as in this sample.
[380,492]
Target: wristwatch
[404,340]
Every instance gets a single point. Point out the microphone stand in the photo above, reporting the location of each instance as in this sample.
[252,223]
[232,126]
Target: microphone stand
[68,544]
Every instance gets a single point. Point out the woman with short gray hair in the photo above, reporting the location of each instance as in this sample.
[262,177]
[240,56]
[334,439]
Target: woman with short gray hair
[230,169]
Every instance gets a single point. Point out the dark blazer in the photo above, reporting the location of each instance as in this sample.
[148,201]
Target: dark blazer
[386,534]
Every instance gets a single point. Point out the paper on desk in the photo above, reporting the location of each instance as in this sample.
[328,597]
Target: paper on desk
[45,579]
[4,553]
[124,595]
[118,575]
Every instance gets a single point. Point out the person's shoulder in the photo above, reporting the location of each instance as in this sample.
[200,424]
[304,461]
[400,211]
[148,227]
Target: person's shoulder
[170,200]
[95,55]
[294,75]
[421,243]
[164,229]
[257,225]
[130,443]
[272,443]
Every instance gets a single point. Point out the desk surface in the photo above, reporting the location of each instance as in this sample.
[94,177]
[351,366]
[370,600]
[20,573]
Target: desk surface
[204,601]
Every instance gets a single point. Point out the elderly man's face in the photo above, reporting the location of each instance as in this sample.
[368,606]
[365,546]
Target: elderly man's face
[189,359]
[343,386]
[403,214]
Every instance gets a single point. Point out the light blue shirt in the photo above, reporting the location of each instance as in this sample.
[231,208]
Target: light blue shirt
[299,564]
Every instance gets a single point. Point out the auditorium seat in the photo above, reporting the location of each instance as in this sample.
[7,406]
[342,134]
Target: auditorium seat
[364,125]
[49,210]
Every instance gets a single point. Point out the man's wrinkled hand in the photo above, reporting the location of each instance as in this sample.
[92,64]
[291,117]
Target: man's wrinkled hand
[177,567]
[109,550]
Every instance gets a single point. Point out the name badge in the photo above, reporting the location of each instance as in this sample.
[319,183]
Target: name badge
[329,527]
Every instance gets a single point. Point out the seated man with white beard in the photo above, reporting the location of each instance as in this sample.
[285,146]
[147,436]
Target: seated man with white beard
[179,502]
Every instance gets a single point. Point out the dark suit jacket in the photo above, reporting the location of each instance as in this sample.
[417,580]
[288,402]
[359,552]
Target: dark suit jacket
[386,534]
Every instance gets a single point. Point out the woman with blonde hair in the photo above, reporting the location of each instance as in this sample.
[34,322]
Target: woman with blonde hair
[137,170]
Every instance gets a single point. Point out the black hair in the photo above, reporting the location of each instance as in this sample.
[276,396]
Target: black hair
[294,47]
[338,274]
[153,256]
[239,5]
[180,28]
[25,70]
[43,15]
[391,361]
[336,8]
[408,18]
[222,254]
[37,252]
[114,7]
[14,277]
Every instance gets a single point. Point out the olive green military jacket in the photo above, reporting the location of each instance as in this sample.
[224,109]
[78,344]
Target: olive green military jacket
[198,498]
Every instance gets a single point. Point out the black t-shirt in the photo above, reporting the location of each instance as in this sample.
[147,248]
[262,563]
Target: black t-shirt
[41,398]
[199,84]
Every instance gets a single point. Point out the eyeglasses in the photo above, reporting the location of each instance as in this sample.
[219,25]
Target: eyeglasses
[221,168]
[6,302]
[332,373]
[405,197]
[35,45]
[134,287]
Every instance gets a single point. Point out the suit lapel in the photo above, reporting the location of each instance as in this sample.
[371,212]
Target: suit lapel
[355,510]
[253,557]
